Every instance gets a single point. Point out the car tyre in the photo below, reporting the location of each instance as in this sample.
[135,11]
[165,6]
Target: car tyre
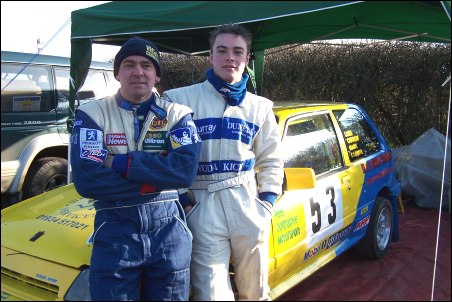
[379,232]
[45,174]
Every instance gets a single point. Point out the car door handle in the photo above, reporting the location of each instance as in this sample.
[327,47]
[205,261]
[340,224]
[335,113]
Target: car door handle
[346,180]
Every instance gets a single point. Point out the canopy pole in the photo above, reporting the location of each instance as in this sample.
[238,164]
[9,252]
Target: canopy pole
[446,6]
[403,32]
[259,57]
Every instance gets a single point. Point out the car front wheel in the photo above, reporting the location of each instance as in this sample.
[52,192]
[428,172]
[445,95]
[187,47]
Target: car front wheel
[45,174]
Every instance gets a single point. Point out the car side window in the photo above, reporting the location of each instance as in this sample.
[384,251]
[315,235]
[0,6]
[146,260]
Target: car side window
[26,89]
[311,142]
[360,139]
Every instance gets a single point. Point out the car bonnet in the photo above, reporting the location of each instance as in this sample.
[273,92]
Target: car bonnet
[56,225]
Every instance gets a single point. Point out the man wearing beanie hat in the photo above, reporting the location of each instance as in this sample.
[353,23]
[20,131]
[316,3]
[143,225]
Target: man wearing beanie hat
[131,152]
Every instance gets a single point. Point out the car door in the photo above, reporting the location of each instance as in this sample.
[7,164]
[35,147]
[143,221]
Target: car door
[364,154]
[304,220]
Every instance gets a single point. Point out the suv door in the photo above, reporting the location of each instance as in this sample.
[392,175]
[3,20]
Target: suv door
[28,111]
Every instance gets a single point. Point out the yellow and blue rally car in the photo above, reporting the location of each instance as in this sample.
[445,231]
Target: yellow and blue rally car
[340,192]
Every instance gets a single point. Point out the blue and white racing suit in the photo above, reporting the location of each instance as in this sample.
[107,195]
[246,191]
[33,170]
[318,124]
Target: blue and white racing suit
[141,243]
[230,218]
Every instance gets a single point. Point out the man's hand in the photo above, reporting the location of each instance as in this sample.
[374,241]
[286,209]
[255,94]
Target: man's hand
[187,209]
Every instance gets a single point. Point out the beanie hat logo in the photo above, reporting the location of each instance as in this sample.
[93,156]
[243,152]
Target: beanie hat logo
[150,51]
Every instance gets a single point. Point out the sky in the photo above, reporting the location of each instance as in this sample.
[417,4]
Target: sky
[24,22]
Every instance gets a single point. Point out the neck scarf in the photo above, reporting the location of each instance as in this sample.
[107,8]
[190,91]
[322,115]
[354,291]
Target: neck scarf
[233,93]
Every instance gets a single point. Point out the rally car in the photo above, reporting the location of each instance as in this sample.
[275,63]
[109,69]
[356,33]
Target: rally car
[340,192]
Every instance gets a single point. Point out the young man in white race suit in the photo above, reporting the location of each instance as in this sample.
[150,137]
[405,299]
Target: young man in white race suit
[231,214]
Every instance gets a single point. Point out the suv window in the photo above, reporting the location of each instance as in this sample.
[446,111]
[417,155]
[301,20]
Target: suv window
[310,142]
[26,90]
[96,86]
[360,139]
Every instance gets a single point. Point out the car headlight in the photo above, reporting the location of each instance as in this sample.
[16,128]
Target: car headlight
[79,290]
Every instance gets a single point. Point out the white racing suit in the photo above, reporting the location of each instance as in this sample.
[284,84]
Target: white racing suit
[229,221]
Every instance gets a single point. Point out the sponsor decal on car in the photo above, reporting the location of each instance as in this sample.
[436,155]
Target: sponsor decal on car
[327,243]
[363,222]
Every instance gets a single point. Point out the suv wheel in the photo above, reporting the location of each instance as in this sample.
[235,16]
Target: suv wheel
[379,232]
[44,175]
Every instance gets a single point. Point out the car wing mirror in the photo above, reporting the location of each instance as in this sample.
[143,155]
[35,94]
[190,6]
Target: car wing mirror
[299,178]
